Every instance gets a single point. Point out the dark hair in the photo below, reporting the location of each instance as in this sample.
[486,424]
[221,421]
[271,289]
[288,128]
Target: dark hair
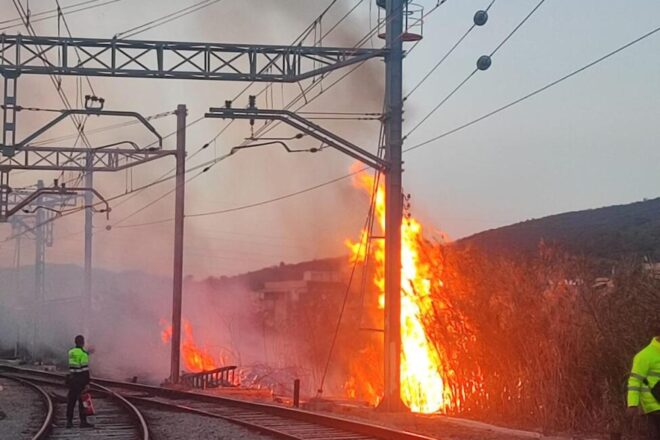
[79,340]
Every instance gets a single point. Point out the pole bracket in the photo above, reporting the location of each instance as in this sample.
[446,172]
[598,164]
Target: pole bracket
[304,125]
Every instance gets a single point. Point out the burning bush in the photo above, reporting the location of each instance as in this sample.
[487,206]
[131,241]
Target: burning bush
[535,342]
[532,341]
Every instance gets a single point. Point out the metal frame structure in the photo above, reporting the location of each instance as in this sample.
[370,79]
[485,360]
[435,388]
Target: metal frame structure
[33,217]
[231,62]
[88,112]
[88,160]
[107,158]
[304,125]
[34,196]
[21,54]
[179,60]
[78,159]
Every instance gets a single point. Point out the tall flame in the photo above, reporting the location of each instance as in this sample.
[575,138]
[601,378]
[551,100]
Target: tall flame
[195,358]
[422,386]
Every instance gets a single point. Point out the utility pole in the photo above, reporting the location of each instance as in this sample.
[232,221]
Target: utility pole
[393,203]
[181,113]
[39,276]
[19,305]
[89,225]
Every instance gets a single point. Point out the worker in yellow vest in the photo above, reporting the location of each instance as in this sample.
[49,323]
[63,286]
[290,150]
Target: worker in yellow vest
[644,386]
[78,380]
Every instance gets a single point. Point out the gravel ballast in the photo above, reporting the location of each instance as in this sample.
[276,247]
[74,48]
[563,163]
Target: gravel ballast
[172,425]
[21,410]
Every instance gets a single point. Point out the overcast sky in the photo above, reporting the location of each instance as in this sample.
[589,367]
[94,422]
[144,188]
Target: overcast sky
[589,142]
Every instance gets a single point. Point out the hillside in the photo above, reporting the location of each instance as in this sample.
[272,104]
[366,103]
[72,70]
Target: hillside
[608,233]
[255,280]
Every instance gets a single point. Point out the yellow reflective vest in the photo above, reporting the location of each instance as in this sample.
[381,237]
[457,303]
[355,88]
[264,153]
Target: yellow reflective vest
[644,375]
[78,360]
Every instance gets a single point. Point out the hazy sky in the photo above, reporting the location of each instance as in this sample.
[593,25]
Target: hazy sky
[589,142]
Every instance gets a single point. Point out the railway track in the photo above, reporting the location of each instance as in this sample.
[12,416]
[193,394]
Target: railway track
[117,418]
[272,420]
[42,428]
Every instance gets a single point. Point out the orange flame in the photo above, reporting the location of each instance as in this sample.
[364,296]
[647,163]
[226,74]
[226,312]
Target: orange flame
[423,388]
[195,358]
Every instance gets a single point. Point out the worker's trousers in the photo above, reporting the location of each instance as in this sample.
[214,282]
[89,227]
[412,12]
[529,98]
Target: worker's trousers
[76,386]
[654,425]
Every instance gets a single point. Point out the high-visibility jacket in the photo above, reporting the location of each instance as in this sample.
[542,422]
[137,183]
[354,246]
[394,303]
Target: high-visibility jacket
[644,375]
[78,361]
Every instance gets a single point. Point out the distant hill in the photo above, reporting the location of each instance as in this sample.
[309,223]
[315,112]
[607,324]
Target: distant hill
[608,233]
[283,272]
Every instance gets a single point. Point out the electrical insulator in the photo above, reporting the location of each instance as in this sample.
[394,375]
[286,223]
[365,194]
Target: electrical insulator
[484,62]
[252,104]
[480,18]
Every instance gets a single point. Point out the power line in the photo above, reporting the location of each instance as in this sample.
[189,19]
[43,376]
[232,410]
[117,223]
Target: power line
[476,69]
[165,176]
[81,125]
[340,21]
[256,204]
[273,200]
[439,104]
[39,14]
[517,27]
[68,31]
[447,133]
[211,163]
[414,147]
[100,129]
[153,202]
[368,220]
[70,12]
[368,228]
[204,169]
[137,225]
[445,56]
[166,18]
[78,122]
[535,92]
[268,126]
[298,40]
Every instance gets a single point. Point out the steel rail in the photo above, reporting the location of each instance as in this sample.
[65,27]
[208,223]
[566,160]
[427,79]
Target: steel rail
[44,429]
[365,429]
[56,379]
[135,412]
[183,408]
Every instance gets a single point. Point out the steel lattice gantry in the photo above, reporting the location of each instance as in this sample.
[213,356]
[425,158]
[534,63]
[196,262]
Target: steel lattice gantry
[77,159]
[159,59]
[164,59]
